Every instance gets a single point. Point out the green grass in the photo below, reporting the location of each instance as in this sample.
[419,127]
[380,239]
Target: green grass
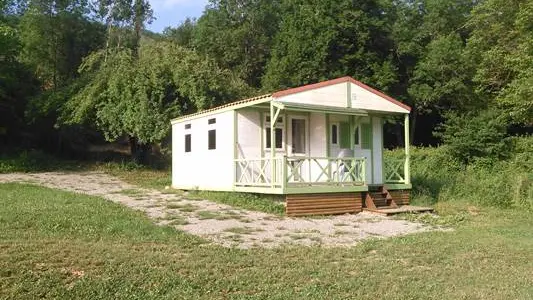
[141,176]
[56,244]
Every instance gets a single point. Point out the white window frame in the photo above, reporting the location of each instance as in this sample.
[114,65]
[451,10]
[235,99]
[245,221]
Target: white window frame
[280,125]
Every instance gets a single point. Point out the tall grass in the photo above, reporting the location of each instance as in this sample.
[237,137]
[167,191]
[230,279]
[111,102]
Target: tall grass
[437,177]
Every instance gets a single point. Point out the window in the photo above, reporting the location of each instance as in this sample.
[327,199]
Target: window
[187,126]
[211,134]
[278,133]
[187,143]
[357,136]
[334,134]
[212,139]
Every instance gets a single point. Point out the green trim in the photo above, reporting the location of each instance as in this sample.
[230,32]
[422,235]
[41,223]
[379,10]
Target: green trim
[371,150]
[407,172]
[398,186]
[344,138]
[382,151]
[215,111]
[273,119]
[325,189]
[352,132]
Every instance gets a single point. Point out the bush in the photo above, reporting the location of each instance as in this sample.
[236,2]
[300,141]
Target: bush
[508,183]
[471,137]
[33,161]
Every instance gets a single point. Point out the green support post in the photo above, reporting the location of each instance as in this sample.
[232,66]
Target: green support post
[407,173]
[272,145]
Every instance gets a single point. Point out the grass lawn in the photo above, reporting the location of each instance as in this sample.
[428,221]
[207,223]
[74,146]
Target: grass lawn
[56,244]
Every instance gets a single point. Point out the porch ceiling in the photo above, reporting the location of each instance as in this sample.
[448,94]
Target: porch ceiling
[319,108]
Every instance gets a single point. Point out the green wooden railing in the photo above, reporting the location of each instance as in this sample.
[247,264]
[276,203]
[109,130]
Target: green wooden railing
[394,169]
[299,171]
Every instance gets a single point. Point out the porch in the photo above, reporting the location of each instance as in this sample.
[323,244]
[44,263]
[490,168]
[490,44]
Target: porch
[311,175]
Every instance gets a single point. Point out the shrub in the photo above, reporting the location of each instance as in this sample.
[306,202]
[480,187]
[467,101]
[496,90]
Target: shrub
[505,183]
[471,136]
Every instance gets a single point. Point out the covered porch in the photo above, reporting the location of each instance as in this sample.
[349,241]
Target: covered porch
[294,169]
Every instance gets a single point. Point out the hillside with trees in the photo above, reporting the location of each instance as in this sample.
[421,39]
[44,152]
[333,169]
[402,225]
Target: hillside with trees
[74,72]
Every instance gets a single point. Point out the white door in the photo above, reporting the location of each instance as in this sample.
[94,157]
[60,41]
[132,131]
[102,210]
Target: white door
[298,149]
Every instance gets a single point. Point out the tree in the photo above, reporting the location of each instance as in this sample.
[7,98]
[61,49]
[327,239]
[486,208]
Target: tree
[501,45]
[433,75]
[238,35]
[136,95]
[55,36]
[183,34]
[323,39]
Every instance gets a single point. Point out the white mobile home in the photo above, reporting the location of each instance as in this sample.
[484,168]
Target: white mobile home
[319,141]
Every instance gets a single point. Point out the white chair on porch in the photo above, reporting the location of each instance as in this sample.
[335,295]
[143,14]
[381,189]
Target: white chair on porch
[344,165]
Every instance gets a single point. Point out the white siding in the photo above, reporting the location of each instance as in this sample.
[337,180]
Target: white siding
[317,135]
[333,95]
[249,134]
[364,99]
[202,168]
[377,151]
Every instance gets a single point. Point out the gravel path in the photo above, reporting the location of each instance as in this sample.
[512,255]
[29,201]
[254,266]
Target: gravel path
[224,224]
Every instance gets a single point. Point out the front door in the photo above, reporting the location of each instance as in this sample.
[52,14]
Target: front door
[298,148]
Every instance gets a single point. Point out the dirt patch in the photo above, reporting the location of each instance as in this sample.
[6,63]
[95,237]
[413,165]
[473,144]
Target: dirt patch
[224,224]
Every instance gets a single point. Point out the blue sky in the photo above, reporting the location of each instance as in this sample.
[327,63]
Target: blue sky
[173,12]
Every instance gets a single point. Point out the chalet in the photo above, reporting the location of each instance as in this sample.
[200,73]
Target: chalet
[320,145]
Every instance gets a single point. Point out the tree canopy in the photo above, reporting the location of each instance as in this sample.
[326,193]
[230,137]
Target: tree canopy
[92,65]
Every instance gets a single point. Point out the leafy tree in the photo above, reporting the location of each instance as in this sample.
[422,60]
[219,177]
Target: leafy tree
[472,136]
[55,36]
[429,39]
[183,34]
[501,45]
[323,39]
[238,35]
[136,95]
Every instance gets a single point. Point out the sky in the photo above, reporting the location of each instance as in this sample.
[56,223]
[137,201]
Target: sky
[173,12]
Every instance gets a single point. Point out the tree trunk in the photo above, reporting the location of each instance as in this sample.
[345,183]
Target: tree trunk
[140,152]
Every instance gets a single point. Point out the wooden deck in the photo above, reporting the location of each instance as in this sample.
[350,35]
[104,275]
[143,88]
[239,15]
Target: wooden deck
[387,210]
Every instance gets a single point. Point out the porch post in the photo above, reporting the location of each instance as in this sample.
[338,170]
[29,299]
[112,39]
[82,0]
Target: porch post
[272,145]
[407,172]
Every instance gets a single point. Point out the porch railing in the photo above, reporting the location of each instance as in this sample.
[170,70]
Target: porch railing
[300,171]
[394,169]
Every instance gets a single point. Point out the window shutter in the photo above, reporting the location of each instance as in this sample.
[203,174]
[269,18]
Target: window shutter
[366,136]
[344,134]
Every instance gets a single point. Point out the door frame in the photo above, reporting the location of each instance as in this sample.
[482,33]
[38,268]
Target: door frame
[306,135]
